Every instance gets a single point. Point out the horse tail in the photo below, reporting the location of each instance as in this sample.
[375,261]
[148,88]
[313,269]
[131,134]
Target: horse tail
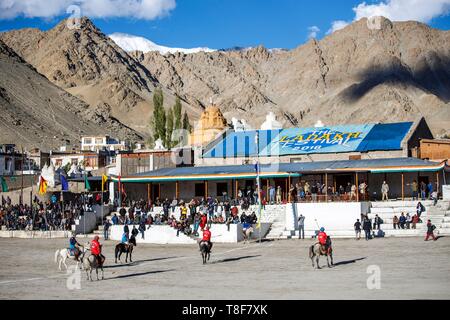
[311,252]
[56,255]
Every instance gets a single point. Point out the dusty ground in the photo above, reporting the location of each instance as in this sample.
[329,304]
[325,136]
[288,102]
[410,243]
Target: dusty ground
[409,269]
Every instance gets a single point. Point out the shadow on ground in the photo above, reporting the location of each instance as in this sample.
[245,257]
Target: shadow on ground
[341,263]
[139,274]
[234,259]
[136,263]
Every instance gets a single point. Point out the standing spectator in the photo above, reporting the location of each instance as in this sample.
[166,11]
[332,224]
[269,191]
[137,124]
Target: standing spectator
[353,192]
[196,223]
[430,231]
[106,226]
[348,190]
[423,190]
[314,191]
[301,227]
[395,222]
[419,209]
[278,195]
[414,190]
[227,209]
[362,190]
[292,193]
[429,189]
[142,228]
[367,227]
[114,219]
[385,191]
[272,195]
[434,197]
[357,227]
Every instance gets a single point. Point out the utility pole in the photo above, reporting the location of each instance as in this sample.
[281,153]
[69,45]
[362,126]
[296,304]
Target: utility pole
[258,186]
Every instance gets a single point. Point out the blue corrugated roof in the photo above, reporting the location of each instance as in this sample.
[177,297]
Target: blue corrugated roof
[292,141]
[369,165]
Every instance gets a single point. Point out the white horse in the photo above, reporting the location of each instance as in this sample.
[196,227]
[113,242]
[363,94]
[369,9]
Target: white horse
[247,234]
[62,254]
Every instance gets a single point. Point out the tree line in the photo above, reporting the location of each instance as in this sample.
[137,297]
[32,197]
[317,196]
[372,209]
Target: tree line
[165,123]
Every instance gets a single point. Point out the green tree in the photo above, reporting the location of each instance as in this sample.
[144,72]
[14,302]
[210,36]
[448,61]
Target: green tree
[186,124]
[168,143]
[159,116]
[177,113]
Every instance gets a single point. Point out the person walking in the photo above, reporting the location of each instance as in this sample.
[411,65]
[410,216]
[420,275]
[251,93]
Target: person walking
[272,195]
[367,227]
[377,222]
[430,231]
[384,191]
[357,227]
[301,227]
[278,195]
[106,226]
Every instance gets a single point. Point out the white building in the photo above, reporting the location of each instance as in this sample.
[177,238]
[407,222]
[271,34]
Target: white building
[97,143]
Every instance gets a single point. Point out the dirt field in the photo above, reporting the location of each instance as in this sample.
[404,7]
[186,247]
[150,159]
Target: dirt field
[409,269]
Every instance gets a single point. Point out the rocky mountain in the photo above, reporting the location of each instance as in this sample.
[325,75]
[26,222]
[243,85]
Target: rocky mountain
[37,113]
[356,75]
[88,64]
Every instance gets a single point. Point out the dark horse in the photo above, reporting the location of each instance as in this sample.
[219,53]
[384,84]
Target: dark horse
[205,250]
[317,250]
[125,248]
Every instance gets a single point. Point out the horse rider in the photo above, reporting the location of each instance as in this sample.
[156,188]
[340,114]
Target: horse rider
[74,246]
[96,250]
[206,238]
[125,239]
[323,239]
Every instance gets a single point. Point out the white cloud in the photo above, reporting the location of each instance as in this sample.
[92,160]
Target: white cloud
[337,25]
[312,32]
[139,9]
[398,10]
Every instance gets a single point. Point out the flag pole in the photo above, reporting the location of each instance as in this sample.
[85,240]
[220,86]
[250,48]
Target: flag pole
[258,183]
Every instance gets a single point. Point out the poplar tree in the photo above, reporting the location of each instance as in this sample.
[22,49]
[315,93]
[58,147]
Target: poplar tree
[159,116]
[169,130]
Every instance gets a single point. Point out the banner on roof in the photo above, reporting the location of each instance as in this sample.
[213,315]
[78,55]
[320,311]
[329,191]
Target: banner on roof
[317,140]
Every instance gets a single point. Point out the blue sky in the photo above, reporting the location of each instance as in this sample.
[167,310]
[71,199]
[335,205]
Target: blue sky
[227,23]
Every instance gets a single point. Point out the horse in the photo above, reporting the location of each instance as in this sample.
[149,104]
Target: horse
[63,254]
[205,250]
[247,234]
[123,247]
[90,263]
[317,250]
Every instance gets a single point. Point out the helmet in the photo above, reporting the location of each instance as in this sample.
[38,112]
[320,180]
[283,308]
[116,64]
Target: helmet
[322,229]
[96,238]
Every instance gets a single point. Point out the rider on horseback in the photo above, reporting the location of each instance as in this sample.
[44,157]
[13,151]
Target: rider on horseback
[206,238]
[324,240]
[96,250]
[74,246]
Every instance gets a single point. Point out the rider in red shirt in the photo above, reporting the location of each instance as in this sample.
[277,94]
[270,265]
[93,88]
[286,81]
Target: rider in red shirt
[323,238]
[96,250]
[207,238]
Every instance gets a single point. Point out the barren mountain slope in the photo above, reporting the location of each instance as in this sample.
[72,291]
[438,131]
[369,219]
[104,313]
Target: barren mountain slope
[355,75]
[37,113]
[88,64]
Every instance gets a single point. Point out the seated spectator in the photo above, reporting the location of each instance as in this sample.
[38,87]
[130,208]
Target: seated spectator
[408,220]
[415,220]
[402,221]
[395,222]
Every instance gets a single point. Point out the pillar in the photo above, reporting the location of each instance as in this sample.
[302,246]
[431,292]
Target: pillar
[206,189]
[288,190]
[403,186]
[357,186]
[326,186]
[177,190]
[437,182]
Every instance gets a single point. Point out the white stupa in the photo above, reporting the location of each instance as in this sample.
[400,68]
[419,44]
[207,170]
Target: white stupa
[240,125]
[159,145]
[319,124]
[271,122]
[49,174]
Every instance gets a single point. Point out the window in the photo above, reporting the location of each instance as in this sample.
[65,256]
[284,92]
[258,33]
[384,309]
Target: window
[221,188]
[87,141]
[199,189]
[98,140]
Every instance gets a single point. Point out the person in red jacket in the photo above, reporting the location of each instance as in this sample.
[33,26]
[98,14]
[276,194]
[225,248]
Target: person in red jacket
[203,221]
[96,250]
[206,238]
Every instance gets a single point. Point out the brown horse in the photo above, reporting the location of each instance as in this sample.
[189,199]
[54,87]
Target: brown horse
[317,250]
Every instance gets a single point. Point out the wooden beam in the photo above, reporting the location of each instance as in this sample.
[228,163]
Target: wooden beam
[357,187]
[177,190]
[403,186]
[326,186]
[236,188]
[437,182]
[148,193]
[289,190]
[206,189]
